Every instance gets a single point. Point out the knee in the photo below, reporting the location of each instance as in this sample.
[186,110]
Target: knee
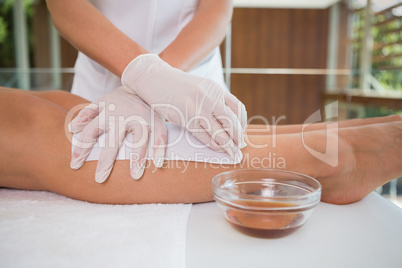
[27,123]
[27,127]
[16,109]
[22,113]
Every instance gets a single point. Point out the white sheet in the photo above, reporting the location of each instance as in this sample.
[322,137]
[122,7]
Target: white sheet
[41,229]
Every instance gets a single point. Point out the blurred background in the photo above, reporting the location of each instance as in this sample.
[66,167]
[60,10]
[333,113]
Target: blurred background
[283,59]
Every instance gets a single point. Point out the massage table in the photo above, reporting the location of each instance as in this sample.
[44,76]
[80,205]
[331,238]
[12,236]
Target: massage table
[41,229]
[364,234]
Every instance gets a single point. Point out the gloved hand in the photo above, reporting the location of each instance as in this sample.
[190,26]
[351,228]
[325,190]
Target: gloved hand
[209,112]
[118,113]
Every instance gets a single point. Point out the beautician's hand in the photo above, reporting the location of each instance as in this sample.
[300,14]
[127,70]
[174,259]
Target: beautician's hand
[118,113]
[210,113]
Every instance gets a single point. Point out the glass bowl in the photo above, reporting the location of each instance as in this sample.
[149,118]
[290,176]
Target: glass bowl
[266,203]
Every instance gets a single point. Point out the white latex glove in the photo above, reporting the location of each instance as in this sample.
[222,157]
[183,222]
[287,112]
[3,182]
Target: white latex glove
[209,112]
[118,113]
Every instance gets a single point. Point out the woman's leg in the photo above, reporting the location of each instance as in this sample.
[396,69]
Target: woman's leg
[36,155]
[297,128]
[62,98]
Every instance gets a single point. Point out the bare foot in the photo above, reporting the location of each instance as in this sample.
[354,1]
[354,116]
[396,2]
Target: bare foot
[370,156]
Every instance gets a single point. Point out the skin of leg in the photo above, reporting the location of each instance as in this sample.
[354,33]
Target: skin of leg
[37,156]
[297,128]
[62,98]
[40,124]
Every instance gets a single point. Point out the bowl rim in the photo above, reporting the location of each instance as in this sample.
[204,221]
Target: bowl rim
[295,208]
[268,199]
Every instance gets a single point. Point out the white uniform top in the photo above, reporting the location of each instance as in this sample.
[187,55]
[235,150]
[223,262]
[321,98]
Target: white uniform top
[153,24]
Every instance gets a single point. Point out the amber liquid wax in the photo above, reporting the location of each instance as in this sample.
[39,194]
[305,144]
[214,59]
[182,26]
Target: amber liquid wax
[262,224]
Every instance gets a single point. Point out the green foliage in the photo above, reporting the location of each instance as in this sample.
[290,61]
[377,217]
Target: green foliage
[387,49]
[372,111]
[7,47]
[3,30]
[7,53]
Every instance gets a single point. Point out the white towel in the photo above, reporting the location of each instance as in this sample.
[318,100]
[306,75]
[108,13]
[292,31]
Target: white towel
[42,229]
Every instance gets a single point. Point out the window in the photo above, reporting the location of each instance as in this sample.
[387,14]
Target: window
[377,48]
